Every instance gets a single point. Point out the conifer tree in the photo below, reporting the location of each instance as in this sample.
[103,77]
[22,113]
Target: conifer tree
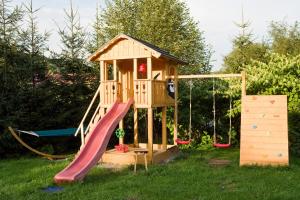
[244,49]
[72,39]
[33,43]
[9,21]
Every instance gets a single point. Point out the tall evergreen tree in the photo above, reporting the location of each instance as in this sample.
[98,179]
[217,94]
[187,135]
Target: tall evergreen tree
[244,49]
[96,37]
[33,43]
[73,39]
[9,21]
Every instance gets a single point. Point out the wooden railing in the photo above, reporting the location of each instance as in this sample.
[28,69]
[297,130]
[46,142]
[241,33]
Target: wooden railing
[159,92]
[111,91]
[141,89]
[80,128]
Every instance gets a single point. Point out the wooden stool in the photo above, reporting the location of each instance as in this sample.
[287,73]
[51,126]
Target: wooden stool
[140,152]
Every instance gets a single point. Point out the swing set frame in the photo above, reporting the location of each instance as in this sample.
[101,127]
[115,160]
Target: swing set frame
[242,76]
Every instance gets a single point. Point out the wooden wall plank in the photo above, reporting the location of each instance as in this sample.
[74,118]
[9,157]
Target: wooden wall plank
[264,130]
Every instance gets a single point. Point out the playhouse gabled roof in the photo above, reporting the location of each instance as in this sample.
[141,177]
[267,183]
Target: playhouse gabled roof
[155,51]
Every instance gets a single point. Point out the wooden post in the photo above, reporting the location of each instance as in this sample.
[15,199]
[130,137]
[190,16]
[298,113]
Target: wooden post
[102,70]
[134,69]
[150,134]
[121,126]
[115,70]
[176,105]
[135,110]
[135,127]
[101,93]
[243,84]
[164,127]
[149,77]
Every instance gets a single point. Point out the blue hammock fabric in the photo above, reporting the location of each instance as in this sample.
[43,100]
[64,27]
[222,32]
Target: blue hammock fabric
[51,133]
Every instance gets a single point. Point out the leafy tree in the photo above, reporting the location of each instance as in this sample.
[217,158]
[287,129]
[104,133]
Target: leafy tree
[164,23]
[280,75]
[285,38]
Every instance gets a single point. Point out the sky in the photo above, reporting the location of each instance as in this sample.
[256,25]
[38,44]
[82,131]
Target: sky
[216,19]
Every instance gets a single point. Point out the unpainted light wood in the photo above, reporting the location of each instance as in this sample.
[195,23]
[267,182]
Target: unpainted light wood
[164,127]
[121,126]
[128,158]
[149,76]
[175,105]
[115,70]
[264,130]
[111,92]
[125,49]
[199,76]
[135,69]
[80,128]
[243,84]
[135,127]
[150,134]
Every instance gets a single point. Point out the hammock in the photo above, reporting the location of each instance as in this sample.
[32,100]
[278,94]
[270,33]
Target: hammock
[48,156]
[51,133]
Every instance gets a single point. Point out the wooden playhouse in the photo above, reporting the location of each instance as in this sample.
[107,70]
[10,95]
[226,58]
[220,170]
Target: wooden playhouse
[132,68]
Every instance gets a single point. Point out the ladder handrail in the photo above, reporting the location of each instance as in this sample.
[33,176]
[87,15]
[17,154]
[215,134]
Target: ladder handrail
[92,119]
[80,127]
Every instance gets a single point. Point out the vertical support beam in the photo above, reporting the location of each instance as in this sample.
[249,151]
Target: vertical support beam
[149,68]
[135,110]
[149,77]
[136,127]
[102,77]
[134,69]
[176,105]
[150,134]
[121,126]
[102,70]
[164,127]
[115,70]
[243,84]
[105,71]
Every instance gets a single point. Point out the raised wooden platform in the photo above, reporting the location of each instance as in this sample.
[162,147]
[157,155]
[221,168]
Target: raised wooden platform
[159,155]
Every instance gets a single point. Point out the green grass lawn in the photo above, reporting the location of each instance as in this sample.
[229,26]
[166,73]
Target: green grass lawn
[188,177]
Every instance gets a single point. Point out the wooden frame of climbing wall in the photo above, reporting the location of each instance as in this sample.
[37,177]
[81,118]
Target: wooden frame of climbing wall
[264,130]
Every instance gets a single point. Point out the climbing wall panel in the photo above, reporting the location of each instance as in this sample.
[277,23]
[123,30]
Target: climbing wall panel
[264,130]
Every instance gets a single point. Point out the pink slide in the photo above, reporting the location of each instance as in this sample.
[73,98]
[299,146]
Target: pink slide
[95,146]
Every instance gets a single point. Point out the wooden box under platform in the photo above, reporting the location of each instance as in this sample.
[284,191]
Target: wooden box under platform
[160,155]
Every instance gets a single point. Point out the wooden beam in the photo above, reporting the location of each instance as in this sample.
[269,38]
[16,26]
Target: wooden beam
[121,126]
[134,69]
[176,105]
[149,68]
[105,71]
[243,83]
[115,70]
[102,70]
[207,76]
[164,127]
[150,134]
[136,127]
[149,77]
